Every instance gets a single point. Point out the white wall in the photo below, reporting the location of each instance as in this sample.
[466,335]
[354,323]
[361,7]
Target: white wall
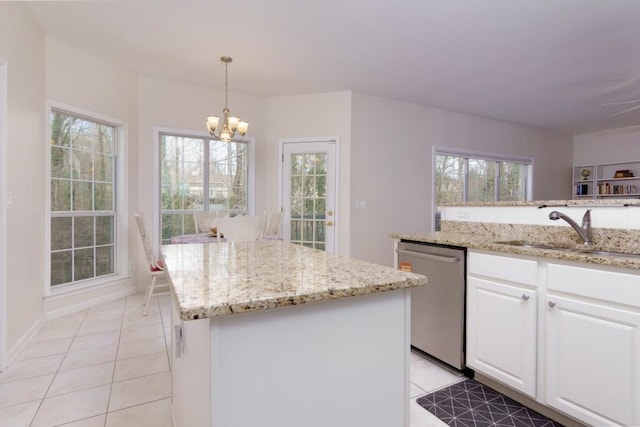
[308,116]
[22,45]
[617,145]
[392,157]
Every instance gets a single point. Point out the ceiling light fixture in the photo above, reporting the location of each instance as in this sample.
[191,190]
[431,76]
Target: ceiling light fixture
[231,124]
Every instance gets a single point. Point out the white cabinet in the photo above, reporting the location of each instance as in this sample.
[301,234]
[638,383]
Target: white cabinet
[593,345]
[501,320]
[577,350]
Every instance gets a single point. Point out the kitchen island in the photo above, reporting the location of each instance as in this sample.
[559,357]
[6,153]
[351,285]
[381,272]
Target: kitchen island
[274,334]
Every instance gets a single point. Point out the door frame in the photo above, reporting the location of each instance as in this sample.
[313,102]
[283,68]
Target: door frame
[4,203]
[336,195]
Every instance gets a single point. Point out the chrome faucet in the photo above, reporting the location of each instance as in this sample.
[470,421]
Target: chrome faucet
[584,231]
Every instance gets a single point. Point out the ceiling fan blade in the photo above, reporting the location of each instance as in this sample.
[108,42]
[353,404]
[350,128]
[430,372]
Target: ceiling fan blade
[635,107]
[637,101]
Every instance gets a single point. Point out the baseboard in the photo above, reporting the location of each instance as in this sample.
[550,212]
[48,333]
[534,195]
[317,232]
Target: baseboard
[173,414]
[66,305]
[15,349]
[105,295]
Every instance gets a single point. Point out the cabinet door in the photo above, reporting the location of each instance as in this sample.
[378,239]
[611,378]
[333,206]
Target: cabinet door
[501,333]
[593,361]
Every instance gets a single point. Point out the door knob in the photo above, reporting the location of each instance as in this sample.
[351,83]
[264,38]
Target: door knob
[330,213]
[525,297]
[551,304]
[329,223]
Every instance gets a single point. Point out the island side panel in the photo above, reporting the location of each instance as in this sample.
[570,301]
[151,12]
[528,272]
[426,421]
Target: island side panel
[190,370]
[334,363]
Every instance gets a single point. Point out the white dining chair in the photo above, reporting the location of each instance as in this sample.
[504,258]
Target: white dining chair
[156,267]
[272,229]
[240,228]
[206,220]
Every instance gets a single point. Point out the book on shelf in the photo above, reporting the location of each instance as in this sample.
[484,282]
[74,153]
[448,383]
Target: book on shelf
[607,189]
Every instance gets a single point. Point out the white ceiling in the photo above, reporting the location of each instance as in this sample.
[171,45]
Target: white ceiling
[544,63]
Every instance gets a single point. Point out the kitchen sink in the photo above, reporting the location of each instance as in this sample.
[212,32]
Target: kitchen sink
[581,250]
[523,244]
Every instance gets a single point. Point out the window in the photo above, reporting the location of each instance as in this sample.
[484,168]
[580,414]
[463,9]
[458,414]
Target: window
[464,177]
[200,174]
[83,199]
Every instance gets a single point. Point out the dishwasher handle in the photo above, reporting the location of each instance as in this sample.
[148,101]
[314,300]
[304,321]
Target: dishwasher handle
[441,258]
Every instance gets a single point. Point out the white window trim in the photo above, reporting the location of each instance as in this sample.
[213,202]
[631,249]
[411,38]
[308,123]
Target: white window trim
[122,209]
[3,211]
[251,187]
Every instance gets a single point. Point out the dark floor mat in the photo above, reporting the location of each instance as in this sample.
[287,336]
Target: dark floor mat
[471,404]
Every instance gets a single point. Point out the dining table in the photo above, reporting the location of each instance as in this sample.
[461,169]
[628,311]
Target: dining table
[209,238]
[195,238]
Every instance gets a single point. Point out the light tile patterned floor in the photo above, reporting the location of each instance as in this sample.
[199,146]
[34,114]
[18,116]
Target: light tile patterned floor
[108,367]
[427,377]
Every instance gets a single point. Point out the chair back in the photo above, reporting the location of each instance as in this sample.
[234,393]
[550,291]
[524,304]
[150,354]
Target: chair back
[272,225]
[146,243]
[205,221]
[240,228]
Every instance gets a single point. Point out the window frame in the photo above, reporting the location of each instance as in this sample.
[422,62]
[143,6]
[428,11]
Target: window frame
[478,155]
[121,246]
[157,190]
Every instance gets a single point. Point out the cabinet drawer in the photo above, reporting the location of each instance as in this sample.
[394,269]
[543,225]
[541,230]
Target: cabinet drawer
[511,269]
[604,285]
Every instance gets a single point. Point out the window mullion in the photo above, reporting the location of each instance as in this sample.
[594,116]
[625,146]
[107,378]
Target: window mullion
[205,174]
[465,188]
[497,181]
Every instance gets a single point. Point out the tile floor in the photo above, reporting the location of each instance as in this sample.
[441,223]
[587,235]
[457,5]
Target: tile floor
[108,366]
[427,377]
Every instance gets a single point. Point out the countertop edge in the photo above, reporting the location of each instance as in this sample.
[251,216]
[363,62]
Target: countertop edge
[491,243]
[219,310]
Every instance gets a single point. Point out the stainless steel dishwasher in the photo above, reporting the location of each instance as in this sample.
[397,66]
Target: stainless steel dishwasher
[437,308]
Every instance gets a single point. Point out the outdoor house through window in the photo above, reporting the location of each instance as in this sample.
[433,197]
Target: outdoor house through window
[464,177]
[200,174]
[83,200]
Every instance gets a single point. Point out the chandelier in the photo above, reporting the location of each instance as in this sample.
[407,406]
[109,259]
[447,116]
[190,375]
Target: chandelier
[230,124]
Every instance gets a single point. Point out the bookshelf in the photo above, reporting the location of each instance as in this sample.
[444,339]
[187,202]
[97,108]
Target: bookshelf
[607,180]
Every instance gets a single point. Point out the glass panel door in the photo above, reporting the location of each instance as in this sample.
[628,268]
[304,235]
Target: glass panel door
[308,194]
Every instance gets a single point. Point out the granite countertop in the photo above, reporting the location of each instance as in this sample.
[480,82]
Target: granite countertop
[218,279]
[493,243]
[588,202]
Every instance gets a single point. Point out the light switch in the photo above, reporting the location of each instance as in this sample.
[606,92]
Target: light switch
[361,203]
[9,199]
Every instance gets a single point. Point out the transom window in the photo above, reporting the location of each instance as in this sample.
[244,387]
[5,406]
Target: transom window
[200,174]
[83,200]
